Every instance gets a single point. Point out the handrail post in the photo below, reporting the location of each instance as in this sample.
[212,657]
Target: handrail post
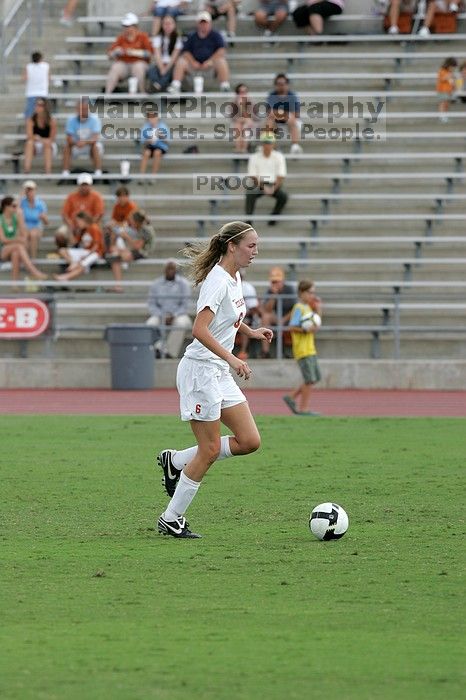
[279,327]
[396,323]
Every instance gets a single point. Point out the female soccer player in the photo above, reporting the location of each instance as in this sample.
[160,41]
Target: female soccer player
[208,393]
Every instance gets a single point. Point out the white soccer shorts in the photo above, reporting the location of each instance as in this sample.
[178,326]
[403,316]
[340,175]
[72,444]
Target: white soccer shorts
[205,389]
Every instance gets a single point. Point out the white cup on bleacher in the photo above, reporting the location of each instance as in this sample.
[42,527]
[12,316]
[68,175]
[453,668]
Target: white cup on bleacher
[132,85]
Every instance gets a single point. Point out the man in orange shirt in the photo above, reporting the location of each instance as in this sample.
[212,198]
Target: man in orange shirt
[131,54]
[83,199]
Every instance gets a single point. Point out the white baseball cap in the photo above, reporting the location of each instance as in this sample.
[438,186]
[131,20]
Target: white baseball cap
[130,19]
[204,16]
[85,179]
[30,185]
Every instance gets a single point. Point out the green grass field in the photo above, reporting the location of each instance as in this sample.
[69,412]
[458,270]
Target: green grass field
[95,604]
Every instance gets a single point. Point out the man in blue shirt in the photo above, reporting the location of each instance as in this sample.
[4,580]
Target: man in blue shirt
[83,132]
[203,50]
[284,109]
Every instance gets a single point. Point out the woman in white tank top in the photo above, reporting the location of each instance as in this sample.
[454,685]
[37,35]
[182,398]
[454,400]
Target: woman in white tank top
[37,78]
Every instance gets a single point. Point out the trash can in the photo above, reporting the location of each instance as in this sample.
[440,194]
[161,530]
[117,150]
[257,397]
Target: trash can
[131,355]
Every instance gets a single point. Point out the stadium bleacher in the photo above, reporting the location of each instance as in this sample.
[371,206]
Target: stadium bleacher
[364,217]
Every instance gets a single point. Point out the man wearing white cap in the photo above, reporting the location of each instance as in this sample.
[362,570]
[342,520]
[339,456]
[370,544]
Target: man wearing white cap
[203,50]
[84,199]
[131,53]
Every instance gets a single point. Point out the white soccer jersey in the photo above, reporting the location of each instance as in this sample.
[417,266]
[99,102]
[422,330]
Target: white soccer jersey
[224,296]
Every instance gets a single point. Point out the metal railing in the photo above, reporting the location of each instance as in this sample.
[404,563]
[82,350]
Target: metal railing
[17,29]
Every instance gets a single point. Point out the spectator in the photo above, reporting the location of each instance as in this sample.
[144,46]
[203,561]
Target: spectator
[275,313]
[154,136]
[243,121]
[167,47]
[41,132]
[311,16]
[133,243]
[168,303]
[83,132]
[284,110]
[13,240]
[204,50]
[270,15]
[395,7]
[123,207]
[66,18]
[224,8]
[267,168]
[88,249]
[83,199]
[36,75]
[35,216]
[446,86]
[303,325]
[166,8]
[252,317]
[461,82]
[130,53]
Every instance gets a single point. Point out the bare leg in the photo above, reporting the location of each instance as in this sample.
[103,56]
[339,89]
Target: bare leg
[279,17]
[245,438]
[48,158]
[156,160]
[207,434]
[261,19]
[316,24]
[394,12]
[34,235]
[66,156]
[222,70]
[96,157]
[144,161]
[28,155]
[156,23]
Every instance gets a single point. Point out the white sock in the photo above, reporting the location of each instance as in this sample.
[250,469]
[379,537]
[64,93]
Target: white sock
[182,457]
[185,491]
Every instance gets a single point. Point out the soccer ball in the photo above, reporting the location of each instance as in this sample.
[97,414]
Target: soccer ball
[310,320]
[328,521]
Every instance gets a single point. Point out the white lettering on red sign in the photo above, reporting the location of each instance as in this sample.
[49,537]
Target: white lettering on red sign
[23,318]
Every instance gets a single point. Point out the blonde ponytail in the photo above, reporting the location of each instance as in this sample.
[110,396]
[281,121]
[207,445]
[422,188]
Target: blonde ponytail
[204,258]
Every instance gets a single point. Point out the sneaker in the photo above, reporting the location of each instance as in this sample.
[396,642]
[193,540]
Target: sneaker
[225,87]
[393,29]
[453,7]
[296,149]
[424,31]
[290,403]
[171,474]
[177,528]
[97,173]
[66,21]
[174,88]
[308,413]
[65,173]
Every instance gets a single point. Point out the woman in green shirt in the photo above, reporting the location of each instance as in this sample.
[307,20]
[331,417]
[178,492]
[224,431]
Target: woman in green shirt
[13,240]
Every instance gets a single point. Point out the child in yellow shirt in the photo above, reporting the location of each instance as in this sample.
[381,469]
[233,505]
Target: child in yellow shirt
[305,320]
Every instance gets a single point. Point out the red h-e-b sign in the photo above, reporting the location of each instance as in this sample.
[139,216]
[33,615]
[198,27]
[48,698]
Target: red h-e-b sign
[23,318]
